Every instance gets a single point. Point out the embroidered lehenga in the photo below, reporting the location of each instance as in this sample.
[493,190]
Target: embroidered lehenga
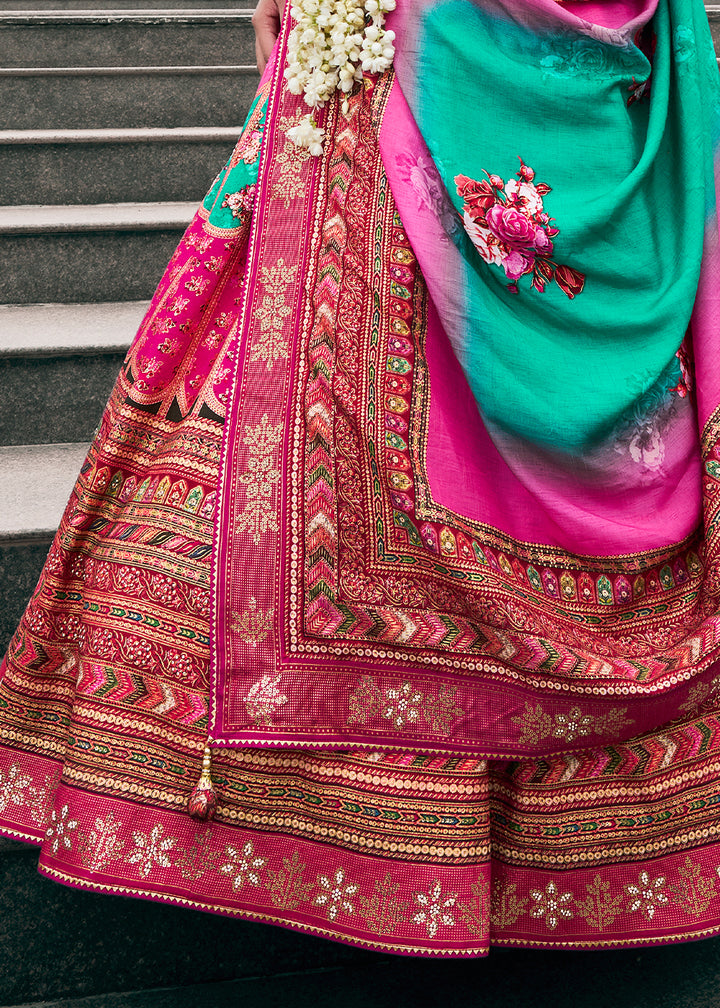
[404,511]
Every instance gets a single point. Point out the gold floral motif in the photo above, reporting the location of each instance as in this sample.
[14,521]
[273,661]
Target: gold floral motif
[262,699]
[253,625]
[260,479]
[572,725]
[441,711]
[13,787]
[647,895]
[600,907]
[401,704]
[436,908]
[551,904]
[535,724]
[694,893]
[199,857]
[59,833]
[476,912]
[102,844]
[151,849]
[505,906]
[384,911]
[39,799]
[290,160]
[365,700]
[701,695]
[614,722]
[271,346]
[288,888]
[404,705]
[335,894]
[243,865]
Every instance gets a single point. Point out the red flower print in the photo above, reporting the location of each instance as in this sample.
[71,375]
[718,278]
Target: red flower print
[478,196]
[685,385]
[526,173]
[509,226]
[569,280]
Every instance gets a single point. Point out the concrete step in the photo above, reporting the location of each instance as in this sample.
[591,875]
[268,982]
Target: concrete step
[108,165]
[37,484]
[400,982]
[37,481]
[71,254]
[325,988]
[713,13]
[58,364]
[46,398]
[20,565]
[119,97]
[125,38]
[67,330]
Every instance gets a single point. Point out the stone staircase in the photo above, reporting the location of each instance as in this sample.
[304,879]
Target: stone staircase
[113,121]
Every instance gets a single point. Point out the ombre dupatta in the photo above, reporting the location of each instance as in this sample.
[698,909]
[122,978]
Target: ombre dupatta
[468,497]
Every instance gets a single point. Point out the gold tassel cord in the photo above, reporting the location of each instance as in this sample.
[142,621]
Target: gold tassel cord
[202,802]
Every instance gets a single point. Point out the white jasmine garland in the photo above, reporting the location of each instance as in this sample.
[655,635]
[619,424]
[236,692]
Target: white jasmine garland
[331,45]
[307,134]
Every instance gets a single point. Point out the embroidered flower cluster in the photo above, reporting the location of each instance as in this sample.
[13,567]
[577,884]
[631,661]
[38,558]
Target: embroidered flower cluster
[508,225]
[331,45]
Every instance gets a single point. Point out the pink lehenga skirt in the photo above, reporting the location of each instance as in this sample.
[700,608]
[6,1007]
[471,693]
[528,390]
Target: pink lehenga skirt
[289,659]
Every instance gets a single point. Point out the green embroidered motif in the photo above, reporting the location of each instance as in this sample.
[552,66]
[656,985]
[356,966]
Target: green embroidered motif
[230,199]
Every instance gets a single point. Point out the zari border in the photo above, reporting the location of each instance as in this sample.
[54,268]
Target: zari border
[423,908]
[252,454]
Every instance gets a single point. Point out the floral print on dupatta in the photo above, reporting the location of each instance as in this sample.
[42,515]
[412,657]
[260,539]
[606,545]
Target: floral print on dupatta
[509,226]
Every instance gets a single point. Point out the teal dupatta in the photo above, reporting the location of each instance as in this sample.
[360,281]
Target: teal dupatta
[614,129]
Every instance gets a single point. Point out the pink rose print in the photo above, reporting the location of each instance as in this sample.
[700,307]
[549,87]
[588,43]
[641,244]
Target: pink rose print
[508,225]
[511,226]
[240,203]
[250,148]
[517,264]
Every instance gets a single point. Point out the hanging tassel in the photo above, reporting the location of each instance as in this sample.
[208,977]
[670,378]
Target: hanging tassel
[203,797]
